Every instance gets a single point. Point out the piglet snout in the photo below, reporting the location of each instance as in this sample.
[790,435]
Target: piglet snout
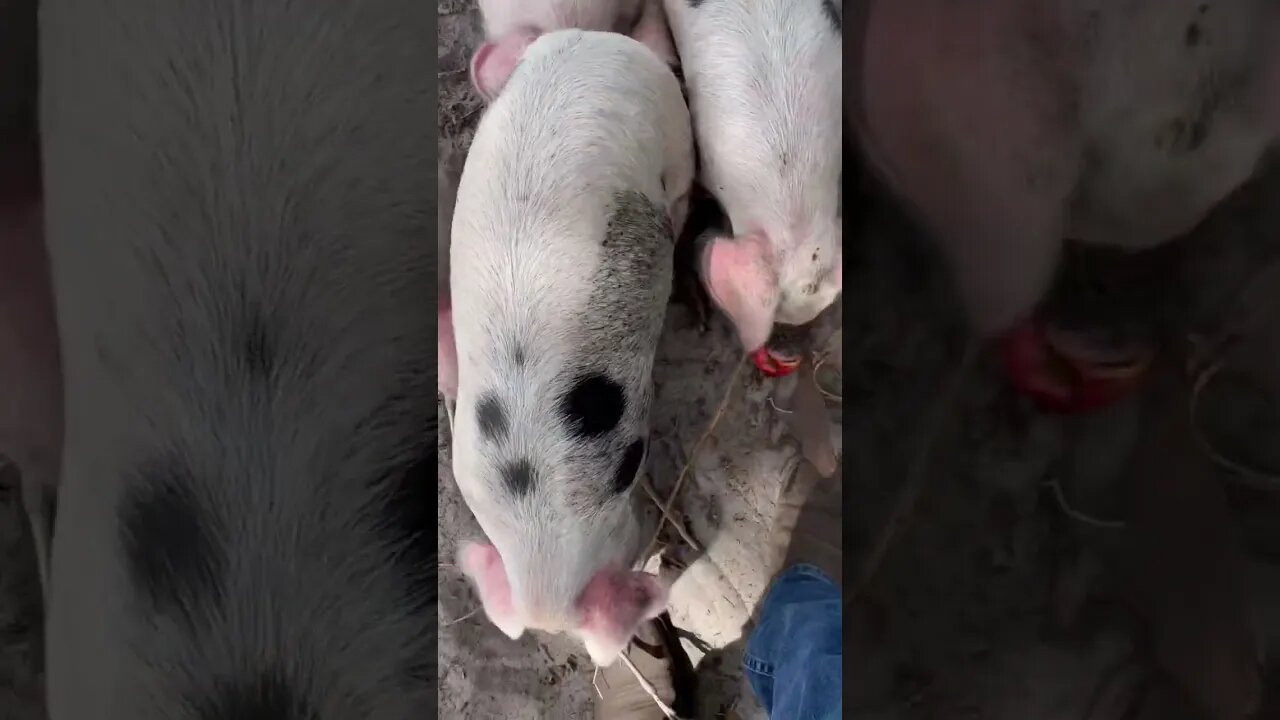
[608,612]
[613,606]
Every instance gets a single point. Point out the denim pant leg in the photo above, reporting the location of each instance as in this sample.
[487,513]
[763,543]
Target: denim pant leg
[793,659]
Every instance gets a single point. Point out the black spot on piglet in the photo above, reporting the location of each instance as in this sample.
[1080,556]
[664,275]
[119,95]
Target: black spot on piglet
[519,477]
[833,14]
[491,417]
[629,466]
[594,405]
[171,546]
[269,696]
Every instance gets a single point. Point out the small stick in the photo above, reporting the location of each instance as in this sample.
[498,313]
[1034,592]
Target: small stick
[679,526]
[818,361]
[781,410]
[915,475]
[715,420]
[1253,476]
[467,616]
[595,682]
[648,687]
[1076,514]
[1261,478]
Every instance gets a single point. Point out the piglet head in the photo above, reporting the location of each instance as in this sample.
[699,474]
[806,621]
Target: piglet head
[494,62]
[606,615]
[757,283]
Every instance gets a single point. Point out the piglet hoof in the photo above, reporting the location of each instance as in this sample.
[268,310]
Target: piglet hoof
[1063,373]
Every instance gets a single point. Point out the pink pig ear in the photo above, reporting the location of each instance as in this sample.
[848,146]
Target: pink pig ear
[446,354]
[482,563]
[494,62]
[741,280]
[612,608]
[652,31]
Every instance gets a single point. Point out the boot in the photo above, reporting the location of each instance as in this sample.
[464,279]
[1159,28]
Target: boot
[809,527]
[657,654]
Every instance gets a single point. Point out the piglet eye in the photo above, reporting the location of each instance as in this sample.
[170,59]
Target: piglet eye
[630,466]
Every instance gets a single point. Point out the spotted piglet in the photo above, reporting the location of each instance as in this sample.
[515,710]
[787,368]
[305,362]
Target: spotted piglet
[764,82]
[237,199]
[563,240]
[510,25]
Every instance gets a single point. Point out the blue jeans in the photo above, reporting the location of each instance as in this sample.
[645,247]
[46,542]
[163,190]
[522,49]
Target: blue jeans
[793,659]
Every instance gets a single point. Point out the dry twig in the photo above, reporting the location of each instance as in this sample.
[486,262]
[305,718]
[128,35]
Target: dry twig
[715,420]
[679,526]
[818,361]
[648,687]
[1264,479]
[595,682]
[1074,514]
[464,617]
[1207,363]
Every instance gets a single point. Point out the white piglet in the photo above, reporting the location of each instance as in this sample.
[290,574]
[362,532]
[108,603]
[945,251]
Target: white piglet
[510,25]
[563,241]
[764,81]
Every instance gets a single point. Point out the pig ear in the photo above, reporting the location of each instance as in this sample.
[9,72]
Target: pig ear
[446,354]
[652,31]
[611,609]
[741,280]
[494,62]
[482,563]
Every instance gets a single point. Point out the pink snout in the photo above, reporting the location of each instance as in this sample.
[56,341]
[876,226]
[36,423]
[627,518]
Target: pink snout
[605,615]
